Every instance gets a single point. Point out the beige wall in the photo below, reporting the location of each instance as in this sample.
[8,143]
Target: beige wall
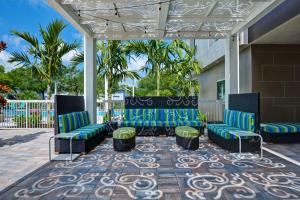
[276,75]
[208,78]
[208,81]
[245,71]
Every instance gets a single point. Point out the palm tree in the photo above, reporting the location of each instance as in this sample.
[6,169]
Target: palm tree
[111,63]
[186,68]
[44,57]
[161,55]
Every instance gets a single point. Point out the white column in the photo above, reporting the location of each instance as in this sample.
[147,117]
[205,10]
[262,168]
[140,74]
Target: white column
[106,94]
[231,67]
[90,77]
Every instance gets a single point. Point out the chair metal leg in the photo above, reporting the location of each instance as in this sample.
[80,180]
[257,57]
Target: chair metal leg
[50,147]
[71,149]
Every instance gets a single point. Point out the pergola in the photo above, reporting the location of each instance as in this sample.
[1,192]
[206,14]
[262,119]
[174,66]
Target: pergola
[161,19]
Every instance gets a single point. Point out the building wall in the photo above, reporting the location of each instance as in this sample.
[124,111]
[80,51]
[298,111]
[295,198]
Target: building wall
[245,71]
[276,75]
[215,72]
[208,81]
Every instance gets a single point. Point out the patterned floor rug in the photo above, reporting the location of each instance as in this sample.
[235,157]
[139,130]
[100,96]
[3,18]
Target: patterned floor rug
[158,169]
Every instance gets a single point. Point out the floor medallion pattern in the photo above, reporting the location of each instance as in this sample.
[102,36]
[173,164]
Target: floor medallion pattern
[159,169]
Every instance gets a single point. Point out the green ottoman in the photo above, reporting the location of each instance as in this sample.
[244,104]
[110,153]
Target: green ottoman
[187,137]
[124,139]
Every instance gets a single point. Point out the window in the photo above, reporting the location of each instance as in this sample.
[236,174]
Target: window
[221,90]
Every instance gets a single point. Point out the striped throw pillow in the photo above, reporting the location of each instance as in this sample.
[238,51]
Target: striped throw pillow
[245,121]
[229,117]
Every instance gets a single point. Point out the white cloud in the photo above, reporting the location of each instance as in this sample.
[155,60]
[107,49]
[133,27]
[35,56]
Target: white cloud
[4,56]
[12,41]
[77,36]
[67,57]
[136,64]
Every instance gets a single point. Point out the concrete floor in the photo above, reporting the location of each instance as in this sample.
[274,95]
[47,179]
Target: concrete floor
[158,169]
[289,150]
[21,152]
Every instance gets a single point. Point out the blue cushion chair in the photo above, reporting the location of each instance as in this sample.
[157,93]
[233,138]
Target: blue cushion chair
[90,135]
[234,121]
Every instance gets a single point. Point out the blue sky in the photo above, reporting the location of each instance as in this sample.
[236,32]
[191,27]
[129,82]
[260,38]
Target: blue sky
[27,15]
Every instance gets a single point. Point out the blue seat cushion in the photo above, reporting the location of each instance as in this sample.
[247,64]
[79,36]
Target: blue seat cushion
[280,127]
[223,131]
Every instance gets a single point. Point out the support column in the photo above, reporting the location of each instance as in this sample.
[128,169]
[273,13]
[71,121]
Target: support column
[90,77]
[231,67]
[105,94]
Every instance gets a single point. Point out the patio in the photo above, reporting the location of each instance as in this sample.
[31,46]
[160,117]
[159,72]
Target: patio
[158,169]
[21,152]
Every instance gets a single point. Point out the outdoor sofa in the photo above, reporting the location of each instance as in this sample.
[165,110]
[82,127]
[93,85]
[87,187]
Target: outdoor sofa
[154,116]
[280,132]
[70,117]
[237,118]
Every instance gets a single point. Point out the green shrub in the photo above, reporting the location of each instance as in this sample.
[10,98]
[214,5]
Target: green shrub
[34,119]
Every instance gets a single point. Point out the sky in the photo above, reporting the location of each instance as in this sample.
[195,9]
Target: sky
[28,15]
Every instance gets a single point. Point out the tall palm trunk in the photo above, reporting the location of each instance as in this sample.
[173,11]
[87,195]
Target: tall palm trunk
[157,81]
[109,98]
[49,104]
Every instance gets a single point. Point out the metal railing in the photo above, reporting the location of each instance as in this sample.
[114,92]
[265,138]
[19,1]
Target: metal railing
[40,113]
[27,114]
[117,110]
[214,109]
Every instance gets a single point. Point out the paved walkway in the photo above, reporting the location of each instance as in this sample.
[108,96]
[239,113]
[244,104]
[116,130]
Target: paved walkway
[289,150]
[158,169]
[21,152]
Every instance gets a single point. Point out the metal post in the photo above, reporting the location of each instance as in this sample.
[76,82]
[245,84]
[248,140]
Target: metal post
[26,114]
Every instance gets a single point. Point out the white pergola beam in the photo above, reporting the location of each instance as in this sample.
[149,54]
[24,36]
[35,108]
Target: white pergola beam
[86,19]
[162,18]
[231,67]
[90,77]
[70,16]
[256,15]
[129,35]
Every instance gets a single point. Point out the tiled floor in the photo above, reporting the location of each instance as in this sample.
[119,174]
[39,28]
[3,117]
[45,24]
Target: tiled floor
[159,169]
[21,152]
[289,150]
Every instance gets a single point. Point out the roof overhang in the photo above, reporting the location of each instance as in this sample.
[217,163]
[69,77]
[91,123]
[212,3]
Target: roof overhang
[158,19]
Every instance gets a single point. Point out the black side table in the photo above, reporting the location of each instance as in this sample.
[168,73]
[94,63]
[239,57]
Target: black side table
[110,127]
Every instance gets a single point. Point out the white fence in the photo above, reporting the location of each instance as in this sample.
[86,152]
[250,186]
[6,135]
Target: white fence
[27,114]
[214,109]
[40,113]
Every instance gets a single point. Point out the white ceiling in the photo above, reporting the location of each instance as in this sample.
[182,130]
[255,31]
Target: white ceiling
[138,19]
[287,33]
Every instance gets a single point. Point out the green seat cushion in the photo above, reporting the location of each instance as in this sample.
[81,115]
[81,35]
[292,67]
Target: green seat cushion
[99,127]
[66,123]
[141,123]
[83,118]
[84,134]
[124,133]
[223,131]
[186,131]
[229,117]
[245,121]
[280,127]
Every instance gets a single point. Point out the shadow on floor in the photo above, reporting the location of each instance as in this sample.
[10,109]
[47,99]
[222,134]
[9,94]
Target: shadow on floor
[20,139]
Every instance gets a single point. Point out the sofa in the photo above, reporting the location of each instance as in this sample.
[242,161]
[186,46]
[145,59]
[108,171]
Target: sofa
[234,120]
[70,116]
[280,132]
[165,120]
[154,116]
[90,135]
